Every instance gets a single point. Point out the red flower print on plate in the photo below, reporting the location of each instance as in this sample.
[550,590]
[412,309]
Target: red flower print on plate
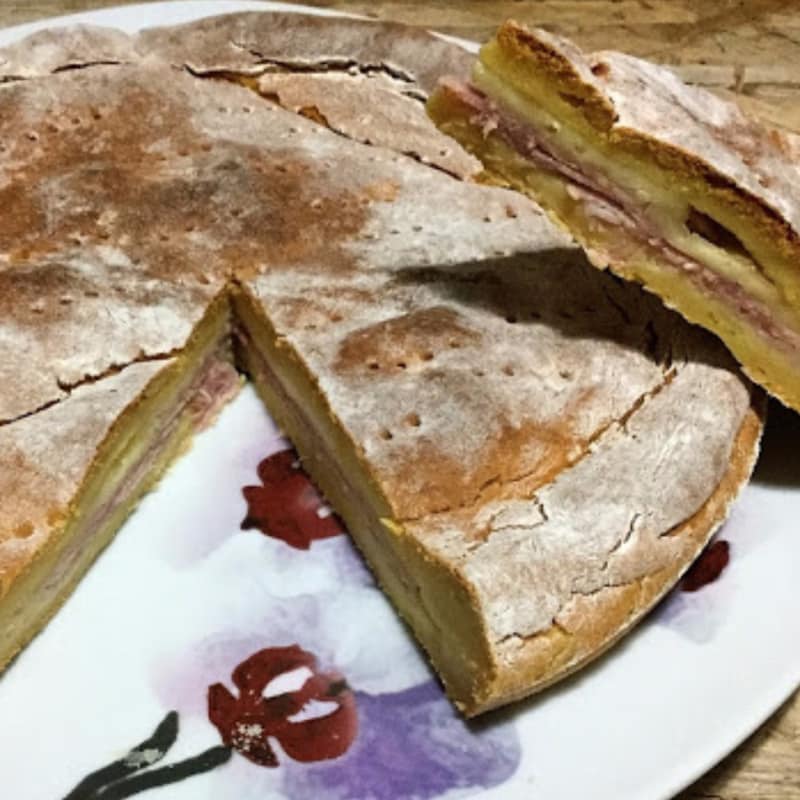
[287,506]
[708,567]
[247,723]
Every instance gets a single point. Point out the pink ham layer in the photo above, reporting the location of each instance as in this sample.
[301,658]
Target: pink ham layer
[216,383]
[608,203]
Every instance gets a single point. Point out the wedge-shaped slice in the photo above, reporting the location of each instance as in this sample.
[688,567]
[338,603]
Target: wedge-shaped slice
[73,472]
[664,183]
[528,451]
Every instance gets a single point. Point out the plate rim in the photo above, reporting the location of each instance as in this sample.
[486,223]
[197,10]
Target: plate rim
[781,691]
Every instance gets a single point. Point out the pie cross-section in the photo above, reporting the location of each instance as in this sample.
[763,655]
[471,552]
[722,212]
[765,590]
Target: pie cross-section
[528,452]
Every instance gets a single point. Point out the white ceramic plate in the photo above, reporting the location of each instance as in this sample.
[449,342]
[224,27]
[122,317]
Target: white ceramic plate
[184,595]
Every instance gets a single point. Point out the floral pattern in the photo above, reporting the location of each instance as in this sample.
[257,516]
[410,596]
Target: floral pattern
[287,505]
[315,709]
[247,723]
[708,567]
[696,607]
[413,745]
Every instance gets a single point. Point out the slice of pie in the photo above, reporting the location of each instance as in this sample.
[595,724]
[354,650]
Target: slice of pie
[664,183]
[528,452]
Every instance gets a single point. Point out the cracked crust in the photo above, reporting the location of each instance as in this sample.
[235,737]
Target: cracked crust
[572,595]
[663,183]
[249,42]
[488,413]
[57,50]
[591,622]
[359,79]
[471,361]
[45,458]
[371,110]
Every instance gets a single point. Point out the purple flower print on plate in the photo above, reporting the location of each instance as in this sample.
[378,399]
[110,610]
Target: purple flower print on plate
[398,737]
[411,745]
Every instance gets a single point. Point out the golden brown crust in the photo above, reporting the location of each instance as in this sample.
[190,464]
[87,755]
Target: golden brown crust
[564,65]
[259,42]
[741,161]
[408,301]
[593,623]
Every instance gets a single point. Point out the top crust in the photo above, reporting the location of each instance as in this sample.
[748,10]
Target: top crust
[138,199]
[111,170]
[98,264]
[449,315]
[59,49]
[683,126]
[249,42]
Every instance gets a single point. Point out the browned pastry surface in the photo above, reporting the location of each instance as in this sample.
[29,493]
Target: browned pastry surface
[495,401]
[664,183]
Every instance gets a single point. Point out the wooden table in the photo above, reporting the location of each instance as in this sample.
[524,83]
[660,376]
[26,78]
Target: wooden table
[750,48]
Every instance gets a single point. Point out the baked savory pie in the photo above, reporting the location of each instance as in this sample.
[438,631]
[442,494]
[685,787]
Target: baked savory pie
[528,452]
[664,183]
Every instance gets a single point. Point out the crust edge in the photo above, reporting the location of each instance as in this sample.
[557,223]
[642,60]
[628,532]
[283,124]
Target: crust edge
[598,621]
[525,47]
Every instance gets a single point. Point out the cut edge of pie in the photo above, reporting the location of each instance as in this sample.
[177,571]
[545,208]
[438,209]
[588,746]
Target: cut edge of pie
[663,183]
[441,287]
[423,584]
[149,410]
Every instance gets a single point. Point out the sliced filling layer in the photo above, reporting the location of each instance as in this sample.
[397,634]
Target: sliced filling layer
[541,100]
[184,397]
[425,591]
[659,239]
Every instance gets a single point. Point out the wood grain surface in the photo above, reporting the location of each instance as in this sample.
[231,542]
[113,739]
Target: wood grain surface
[746,48]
